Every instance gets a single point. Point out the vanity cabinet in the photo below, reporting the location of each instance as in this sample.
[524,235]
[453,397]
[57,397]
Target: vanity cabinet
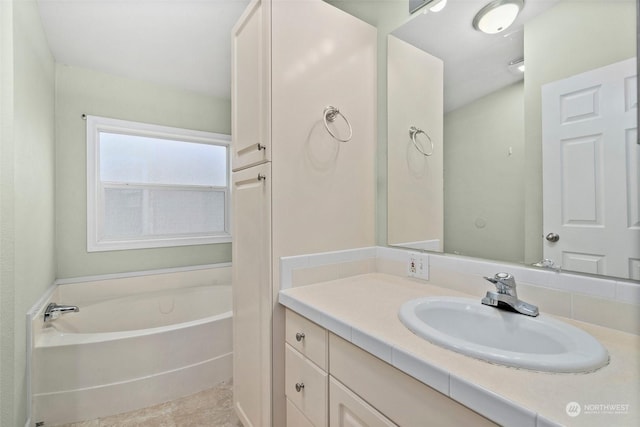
[314,398]
[362,389]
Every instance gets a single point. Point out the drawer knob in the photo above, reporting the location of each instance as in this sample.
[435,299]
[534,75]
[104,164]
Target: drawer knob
[299,336]
[299,387]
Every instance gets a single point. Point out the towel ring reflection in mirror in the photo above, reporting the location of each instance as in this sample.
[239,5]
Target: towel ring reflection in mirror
[330,114]
[413,133]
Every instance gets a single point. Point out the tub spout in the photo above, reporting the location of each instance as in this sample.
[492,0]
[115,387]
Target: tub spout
[54,311]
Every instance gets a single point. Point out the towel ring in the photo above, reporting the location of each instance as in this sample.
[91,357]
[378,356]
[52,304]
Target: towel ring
[330,114]
[413,132]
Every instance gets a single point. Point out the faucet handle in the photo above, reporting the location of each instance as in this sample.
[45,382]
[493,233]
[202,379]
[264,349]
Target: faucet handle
[505,282]
[548,263]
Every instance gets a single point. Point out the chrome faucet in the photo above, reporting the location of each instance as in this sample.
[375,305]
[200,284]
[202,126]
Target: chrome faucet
[549,264]
[506,296]
[53,311]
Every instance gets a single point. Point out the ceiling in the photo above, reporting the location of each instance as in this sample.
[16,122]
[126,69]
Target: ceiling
[475,64]
[182,43]
[187,43]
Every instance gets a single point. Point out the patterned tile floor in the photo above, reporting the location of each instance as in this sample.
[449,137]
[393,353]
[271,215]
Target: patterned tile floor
[209,408]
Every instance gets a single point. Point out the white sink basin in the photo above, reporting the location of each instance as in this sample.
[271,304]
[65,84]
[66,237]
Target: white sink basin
[502,337]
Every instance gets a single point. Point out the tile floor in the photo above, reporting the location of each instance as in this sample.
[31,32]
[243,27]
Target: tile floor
[209,408]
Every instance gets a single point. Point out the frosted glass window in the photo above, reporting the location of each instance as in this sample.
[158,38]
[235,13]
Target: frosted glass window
[144,160]
[203,215]
[164,211]
[152,186]
[123,213]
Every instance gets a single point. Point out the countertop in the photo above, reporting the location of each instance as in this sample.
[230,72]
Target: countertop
[364,310]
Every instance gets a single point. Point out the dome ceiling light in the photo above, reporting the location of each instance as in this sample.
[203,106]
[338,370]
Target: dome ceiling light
[497,16]
[438,6]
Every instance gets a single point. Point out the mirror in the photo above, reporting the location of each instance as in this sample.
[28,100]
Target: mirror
[493,137]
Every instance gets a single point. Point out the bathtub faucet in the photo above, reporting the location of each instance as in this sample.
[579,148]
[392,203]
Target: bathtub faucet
[54,311]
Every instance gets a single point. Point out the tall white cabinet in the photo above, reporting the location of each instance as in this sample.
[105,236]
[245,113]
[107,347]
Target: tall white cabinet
[296,189]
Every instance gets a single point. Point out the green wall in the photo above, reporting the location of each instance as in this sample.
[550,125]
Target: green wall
[43,179]
[81,91]
[27,262]
[484,177]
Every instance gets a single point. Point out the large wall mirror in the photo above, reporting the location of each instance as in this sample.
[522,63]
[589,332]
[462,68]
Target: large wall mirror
[540,164]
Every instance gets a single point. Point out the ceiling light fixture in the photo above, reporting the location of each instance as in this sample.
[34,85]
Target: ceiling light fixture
[497,16]
[439,6]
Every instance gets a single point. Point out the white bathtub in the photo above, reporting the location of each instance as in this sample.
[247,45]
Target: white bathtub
[128,352]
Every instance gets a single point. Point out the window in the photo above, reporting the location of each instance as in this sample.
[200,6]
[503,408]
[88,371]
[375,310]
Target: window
[154,186]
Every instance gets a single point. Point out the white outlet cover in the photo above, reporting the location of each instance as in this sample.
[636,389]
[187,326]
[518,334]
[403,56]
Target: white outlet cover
[418,265]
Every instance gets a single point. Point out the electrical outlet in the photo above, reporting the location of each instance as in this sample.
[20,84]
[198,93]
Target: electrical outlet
[418,265]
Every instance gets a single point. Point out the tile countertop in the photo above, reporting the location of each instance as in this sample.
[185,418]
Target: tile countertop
[364,310]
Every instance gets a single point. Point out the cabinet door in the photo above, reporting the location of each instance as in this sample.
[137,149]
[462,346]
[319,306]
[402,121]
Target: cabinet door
[250,77]
[252,295]
[348,410]
[295,418]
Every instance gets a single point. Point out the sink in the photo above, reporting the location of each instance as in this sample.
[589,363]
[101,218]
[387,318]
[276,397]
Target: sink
[502,337]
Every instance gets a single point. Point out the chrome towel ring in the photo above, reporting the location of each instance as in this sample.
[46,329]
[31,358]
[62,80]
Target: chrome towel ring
[329,115]
[413,132]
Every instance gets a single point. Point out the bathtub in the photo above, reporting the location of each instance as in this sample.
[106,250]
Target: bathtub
[122,353]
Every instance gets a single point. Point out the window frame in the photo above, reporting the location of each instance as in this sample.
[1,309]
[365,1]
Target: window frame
[95,200]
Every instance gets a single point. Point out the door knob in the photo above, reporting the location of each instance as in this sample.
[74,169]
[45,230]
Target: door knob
[552,237]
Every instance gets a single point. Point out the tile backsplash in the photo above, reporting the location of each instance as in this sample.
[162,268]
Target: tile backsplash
[602,301]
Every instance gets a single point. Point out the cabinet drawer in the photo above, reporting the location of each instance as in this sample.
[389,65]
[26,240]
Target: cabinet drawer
[348,410]
[308,338]
[306,386]
[295,418]
[400,397]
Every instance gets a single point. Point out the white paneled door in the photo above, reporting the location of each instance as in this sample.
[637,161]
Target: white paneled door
[591,174]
